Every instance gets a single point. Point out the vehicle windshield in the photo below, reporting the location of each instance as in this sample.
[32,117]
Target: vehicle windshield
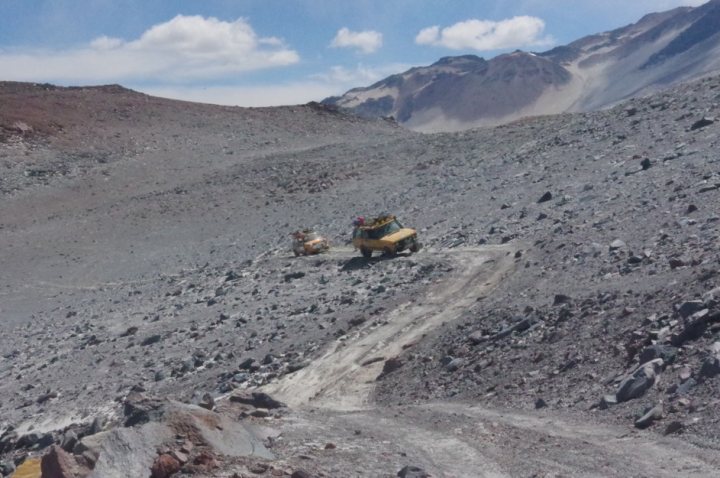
[311,236]
[386,230]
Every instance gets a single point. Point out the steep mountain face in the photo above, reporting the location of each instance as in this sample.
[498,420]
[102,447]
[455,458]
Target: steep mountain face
[593,72]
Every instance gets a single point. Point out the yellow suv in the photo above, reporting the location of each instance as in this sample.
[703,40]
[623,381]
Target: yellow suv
[384,234]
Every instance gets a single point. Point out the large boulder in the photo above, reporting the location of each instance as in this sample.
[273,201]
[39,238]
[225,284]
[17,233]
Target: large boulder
[636,384]
[125,452]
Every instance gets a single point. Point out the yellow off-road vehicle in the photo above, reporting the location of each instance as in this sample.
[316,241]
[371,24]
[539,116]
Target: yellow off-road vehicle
[384,234]
[308,242]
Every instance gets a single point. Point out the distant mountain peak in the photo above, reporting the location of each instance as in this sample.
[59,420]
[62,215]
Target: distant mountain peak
[460,92]
[452,60]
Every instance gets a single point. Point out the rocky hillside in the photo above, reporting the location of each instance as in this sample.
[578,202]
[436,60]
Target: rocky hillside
[566,297]
[594,72]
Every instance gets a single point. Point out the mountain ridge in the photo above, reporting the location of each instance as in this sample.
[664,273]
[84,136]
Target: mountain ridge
[590,73]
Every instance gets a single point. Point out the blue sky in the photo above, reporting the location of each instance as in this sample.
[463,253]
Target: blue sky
[269,52]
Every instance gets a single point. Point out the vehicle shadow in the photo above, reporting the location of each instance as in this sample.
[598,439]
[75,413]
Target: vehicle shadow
[359,262]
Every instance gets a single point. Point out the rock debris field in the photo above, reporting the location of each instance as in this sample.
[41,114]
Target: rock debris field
[562,318]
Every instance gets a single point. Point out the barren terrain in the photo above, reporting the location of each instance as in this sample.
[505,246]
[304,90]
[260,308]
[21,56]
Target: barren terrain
[561,320]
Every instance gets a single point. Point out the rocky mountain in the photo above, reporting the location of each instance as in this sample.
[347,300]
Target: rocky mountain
[594,72]
[565,307]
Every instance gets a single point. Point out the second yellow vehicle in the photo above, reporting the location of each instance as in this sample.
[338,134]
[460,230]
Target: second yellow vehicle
[384,234]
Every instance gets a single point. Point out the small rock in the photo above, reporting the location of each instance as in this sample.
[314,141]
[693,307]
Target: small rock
[153,339]
[676,262]
[685,387]
[46,396]
[710,367]
[246,364]
[665,352]
[130,331]
[35,441]
[391,365]
[207,402]
[617,244]
[540,403]
[6,467]
[701,123]
[674,427]
[455,364]
[139,409]
[635,260]
[413,472]
[181,457]
[293,275]
[257,400]
[655,413]
[545,197]
[259,468]
[301,474]
[608,401]
[260,413]
[476,338]
[69,441]
[686,309]
[206,460]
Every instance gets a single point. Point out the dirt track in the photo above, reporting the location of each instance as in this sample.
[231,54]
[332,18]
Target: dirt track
[456,440]
[470,441]
[342,379]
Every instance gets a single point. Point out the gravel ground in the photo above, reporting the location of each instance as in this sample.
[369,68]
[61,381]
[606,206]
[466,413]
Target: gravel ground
[144,245]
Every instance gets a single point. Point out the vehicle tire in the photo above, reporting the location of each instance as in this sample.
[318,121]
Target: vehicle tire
[296,253]
[414,247]
[367,253]
[389,251]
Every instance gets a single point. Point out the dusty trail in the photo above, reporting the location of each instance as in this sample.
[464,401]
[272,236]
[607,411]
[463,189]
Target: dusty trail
[457,440]
[342,379]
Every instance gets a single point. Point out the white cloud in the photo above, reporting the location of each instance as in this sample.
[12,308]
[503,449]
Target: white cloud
[183,49]
[266,95]
[486,35]
[105,43]
[361,75]
[335,81]
[367,41]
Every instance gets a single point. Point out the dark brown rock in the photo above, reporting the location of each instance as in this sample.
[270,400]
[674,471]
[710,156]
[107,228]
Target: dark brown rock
[57,463]
[257,400]
[165,465]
